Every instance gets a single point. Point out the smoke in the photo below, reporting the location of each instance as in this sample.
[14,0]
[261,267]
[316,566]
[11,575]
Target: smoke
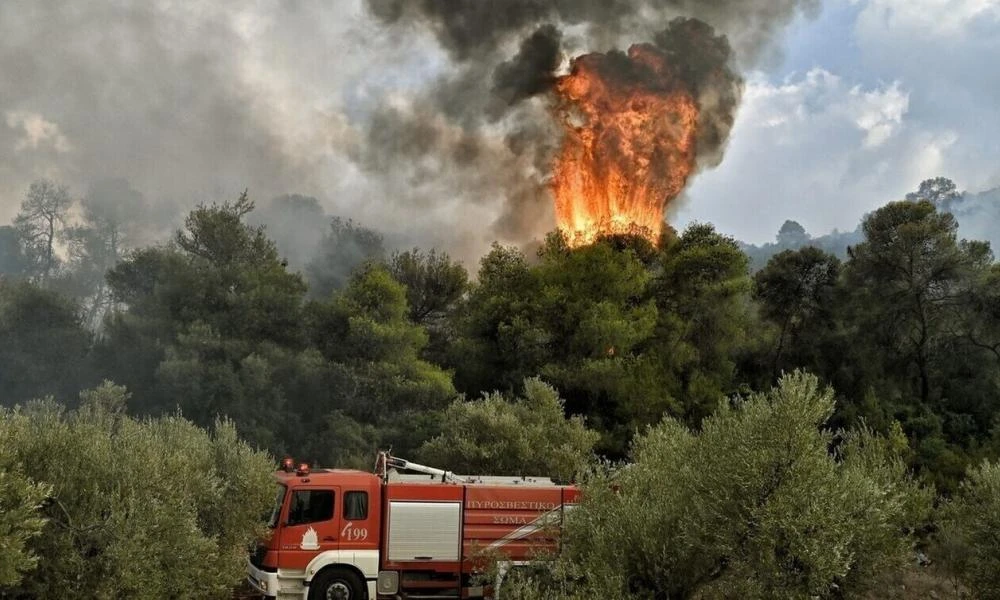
[189,101]
[488,117]
[428,120]
[532,70]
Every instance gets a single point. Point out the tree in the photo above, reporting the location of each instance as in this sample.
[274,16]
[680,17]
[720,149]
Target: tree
[971,531]
[909,285]
[624,331]
[792,235]
[499,342]
[939,191]
[112,215]
[39,222]
[702,295]
[207,376]
[345,247]
[374,351]
[45,346]
[753,505]
[908,275]
[220,273]
[796,291]
[137,508]
[434,284]
[595,308]
[242,281]
[579,318]
[982,326]
[530,435]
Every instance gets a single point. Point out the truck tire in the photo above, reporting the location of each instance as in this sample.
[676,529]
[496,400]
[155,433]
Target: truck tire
[337,584]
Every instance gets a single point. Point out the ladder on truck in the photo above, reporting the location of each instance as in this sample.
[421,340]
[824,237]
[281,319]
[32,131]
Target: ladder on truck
[388,467]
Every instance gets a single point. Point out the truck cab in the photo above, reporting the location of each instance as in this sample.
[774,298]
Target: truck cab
[324,522]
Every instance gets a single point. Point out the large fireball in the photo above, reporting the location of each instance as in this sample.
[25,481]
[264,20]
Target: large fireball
[629,146]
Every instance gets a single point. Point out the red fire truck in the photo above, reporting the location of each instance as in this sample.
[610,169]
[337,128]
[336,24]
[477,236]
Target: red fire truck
[352,535]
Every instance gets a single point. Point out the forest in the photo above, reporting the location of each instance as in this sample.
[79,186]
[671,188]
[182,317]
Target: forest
[841,407]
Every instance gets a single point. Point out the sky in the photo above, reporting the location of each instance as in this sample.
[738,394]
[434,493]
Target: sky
[193,101]
[867,100]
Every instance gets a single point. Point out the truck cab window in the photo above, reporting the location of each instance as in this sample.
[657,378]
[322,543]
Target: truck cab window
[279,499]
[356,506]
[310,506]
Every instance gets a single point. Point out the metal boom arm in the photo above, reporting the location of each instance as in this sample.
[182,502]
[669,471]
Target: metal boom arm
[388,461]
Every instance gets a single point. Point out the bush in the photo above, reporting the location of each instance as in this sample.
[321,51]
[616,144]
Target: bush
[523,436]
[155,508]
[20,499]
[971,531]
[752,506]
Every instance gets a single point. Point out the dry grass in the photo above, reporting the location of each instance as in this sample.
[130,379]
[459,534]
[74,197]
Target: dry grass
[916,582]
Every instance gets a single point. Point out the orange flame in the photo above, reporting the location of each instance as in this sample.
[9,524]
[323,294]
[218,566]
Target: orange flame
[629,145]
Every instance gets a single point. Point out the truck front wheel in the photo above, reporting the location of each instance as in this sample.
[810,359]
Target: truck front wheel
[337,584]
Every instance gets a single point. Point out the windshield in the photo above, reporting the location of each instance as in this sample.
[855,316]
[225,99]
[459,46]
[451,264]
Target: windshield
[279,499]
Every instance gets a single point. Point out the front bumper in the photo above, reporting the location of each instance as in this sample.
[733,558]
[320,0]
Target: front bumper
[264,582]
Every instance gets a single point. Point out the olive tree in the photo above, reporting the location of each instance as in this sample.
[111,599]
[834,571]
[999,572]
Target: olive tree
[754,505]
[971,531]
[530,435]
[154,508]
[20,521]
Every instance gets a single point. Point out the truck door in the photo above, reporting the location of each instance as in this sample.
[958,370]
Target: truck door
[311,524]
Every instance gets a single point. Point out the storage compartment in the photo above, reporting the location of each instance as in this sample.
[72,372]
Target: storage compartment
[424,531]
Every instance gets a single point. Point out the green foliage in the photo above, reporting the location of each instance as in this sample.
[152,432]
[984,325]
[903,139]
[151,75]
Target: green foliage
[909,285]
[202,316]
[971,531]
[906,276]
[44,344]
[434,284]
[796,291]
[365,328]
[939,191]
[209,376]
[752,506]
[372,352]
[530,435]
[702,293]
[499,344]
[579,318]
[20,520]
[137,508]
[624,331]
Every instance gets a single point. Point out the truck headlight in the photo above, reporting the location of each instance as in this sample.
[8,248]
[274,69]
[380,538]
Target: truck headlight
[388,582]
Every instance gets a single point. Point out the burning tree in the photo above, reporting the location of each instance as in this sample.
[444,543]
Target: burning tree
[636,124]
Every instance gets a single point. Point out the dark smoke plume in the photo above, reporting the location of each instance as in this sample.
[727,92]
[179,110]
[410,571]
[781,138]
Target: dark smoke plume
[429,120]
[486,124]
[532,70]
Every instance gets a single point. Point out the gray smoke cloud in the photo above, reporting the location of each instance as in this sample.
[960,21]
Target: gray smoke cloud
[488,116]
[425,119]
[188,101]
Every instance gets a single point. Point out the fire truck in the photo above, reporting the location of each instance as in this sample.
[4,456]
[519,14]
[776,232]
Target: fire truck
[404,531]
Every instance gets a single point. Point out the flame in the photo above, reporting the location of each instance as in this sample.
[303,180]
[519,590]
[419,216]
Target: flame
[629,147]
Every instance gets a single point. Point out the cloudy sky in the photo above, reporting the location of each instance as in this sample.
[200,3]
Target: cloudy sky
[869,98]
[192,101]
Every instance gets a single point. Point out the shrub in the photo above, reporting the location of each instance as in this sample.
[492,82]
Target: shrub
[154,508]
